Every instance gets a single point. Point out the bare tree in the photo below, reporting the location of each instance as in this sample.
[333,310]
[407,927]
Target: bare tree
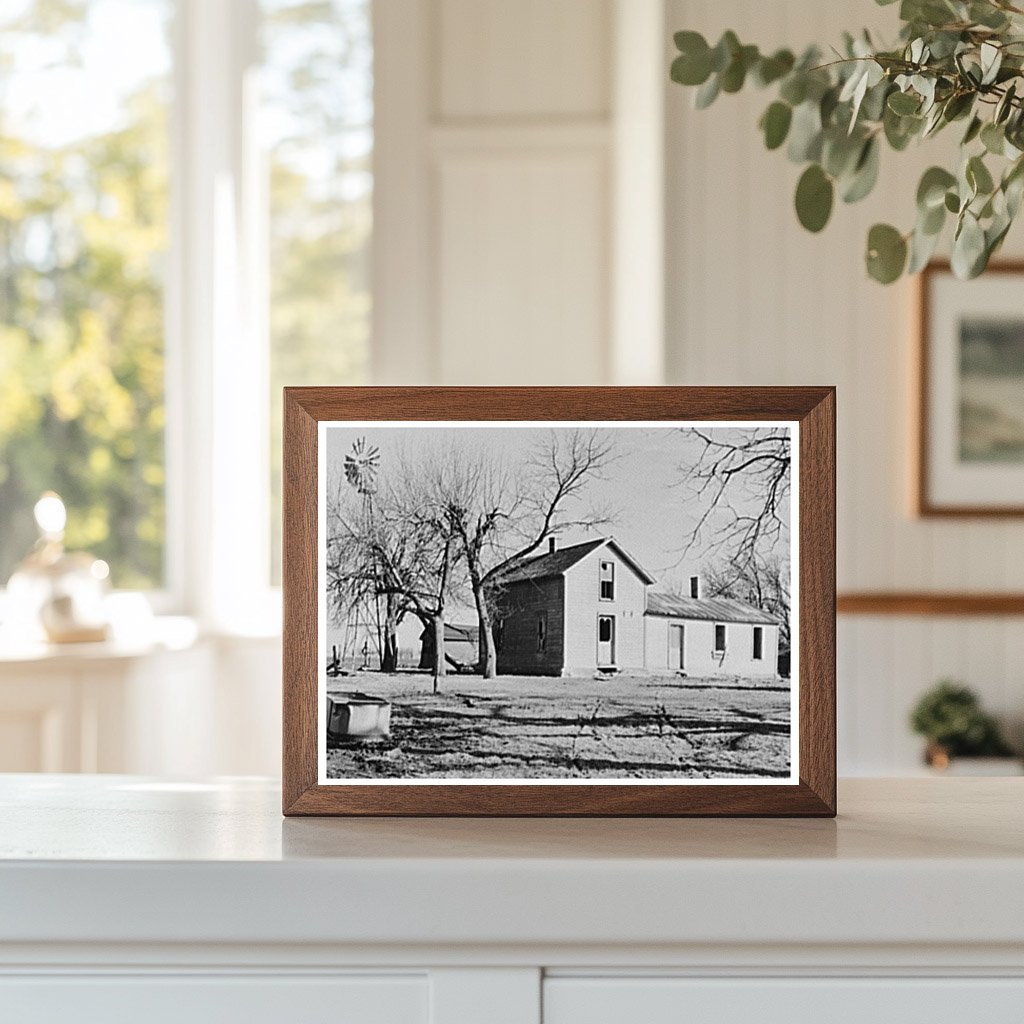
[742,480]
[503,515]
[762,582]
[399,554]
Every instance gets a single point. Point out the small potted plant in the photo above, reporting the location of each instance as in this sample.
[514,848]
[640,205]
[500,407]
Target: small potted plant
[950,718]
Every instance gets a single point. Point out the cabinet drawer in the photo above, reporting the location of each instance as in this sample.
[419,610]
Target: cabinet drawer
[202,999]
[782,1001]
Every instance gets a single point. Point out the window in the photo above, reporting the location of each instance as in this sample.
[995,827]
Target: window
[758,643]
[83,242]
[542,633]
[694,586]
[607,581]
[605,629]
[317,121]
[268,186]
[719,638]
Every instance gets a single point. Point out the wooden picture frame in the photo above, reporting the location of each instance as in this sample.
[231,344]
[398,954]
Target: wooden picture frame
[809,791]
[934,472]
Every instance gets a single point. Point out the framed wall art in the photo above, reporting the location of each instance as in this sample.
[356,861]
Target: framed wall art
[559,601]
[970,423]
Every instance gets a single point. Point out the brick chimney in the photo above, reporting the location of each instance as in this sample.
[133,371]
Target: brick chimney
[552,544]
[695,587]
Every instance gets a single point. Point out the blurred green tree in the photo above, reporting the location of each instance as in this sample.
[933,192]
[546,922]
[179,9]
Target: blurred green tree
[83,217]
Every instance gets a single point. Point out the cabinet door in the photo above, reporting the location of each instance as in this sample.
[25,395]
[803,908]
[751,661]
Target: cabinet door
[202,999]
[783,1001]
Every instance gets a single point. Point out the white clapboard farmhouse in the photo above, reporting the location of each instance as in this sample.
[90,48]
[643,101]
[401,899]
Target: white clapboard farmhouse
[589,607]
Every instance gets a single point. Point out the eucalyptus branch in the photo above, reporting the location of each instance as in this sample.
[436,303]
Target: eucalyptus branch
[956,61]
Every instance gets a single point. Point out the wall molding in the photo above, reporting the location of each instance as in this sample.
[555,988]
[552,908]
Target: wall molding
[929,603]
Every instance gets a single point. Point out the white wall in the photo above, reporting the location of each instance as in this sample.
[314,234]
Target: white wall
[508,134]
[583,605]
[699,644]
[753,299]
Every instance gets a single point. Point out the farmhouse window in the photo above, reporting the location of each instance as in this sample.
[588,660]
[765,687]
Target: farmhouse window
[758,643]
[719,638]
[607,581]
[542,633]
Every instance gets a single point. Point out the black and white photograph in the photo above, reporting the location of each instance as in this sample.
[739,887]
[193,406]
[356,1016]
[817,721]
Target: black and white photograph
[593,602]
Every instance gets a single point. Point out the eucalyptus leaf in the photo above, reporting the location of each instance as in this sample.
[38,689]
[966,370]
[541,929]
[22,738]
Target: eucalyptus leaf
[903,103]
[973,130]
[865,173]
[955,60]
[978,176]
[814,196]
[707,93]
[922,248]
[805,133]
[931,190]
[968,247]
[771,69]
[775,124]
[993,138]
[886,253]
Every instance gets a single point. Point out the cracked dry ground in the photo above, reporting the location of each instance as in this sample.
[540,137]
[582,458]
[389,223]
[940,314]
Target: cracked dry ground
[526,727]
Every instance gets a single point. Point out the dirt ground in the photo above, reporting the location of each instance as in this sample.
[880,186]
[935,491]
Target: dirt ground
[541,727]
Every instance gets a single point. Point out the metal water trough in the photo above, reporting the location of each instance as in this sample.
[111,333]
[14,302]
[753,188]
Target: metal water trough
[357,716]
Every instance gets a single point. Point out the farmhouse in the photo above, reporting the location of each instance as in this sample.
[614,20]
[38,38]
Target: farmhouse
[588,608]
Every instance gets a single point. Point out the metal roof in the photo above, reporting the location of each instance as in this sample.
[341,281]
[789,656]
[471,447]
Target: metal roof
[712,609]
[555,563]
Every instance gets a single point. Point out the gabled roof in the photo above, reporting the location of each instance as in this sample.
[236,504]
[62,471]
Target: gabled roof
[556,563]
[712,609]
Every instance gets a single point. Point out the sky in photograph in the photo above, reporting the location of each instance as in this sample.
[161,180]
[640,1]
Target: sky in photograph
[646,484]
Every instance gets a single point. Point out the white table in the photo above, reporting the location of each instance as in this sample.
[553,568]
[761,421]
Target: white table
[123,896]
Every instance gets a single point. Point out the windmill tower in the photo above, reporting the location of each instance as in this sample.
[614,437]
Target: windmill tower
[361,466]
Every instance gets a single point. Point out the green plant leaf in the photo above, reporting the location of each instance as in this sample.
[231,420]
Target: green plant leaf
[693,65]
[931,191]
[1005,105]
[973,130]
[978,176]
[886,254]
[707,93]
[725,49]
[987,15]
[865,173]
[814,195]
[952,202]
[805,133]
[794,88]
[904,103]
[735,74]
[922,247]
[775,124]
[771,69]
[993,138]
[968,255]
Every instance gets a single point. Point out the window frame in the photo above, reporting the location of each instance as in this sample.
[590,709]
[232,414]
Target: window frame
[602,579]
[725,638]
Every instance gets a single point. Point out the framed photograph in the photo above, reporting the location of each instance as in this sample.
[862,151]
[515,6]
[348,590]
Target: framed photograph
[970,445]
[559,601]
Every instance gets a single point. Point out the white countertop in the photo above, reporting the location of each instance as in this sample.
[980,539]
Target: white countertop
[120,859]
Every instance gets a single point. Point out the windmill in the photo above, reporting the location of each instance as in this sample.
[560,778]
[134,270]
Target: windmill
[361,465]
[361,469]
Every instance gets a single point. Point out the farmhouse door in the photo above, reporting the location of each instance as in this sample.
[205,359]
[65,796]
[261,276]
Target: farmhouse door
[676,646]
[605,640]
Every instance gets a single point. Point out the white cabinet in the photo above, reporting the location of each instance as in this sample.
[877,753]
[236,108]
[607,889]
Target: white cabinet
[828,1000]
[215,1000]
[126,899]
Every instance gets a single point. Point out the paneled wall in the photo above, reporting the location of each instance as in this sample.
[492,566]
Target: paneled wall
[753,299]
[502,136]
